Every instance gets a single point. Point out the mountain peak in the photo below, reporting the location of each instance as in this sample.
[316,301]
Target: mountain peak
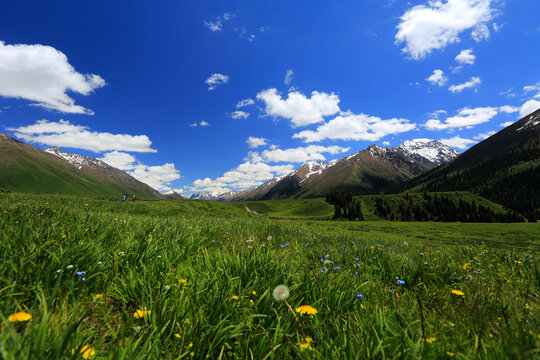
[431,150]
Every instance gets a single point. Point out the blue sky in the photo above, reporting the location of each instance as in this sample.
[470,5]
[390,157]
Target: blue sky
[219,95]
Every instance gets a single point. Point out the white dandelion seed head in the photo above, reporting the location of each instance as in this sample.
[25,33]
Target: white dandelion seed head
[281,292]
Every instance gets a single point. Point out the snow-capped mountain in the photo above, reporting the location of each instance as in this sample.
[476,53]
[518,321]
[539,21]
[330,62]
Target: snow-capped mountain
[431,150]
[78,160]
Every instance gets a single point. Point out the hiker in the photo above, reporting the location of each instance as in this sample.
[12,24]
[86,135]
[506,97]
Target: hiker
[124,197]
[134,197]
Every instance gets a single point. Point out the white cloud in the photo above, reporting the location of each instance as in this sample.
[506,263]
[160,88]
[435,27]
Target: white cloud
[65,134]
[466,118]
[386,143]
[508,109]
[119,160]
[204,123]
[254,142]
[215,80]
[481,32]
[300,154]
[158,177]
[437,78]
[245,102]
[349,126]
[508,93]
[239,115]
[435,25]
[484,136]
[529,107]
[288,77]
[246,175]
[474,82]
[43,75]
[466,57]
[193,124]
[214,25]
[298,108]
[530,88]
[458,142]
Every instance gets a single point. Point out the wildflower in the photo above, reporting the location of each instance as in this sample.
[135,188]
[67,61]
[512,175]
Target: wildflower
[141,313]
[190,344]
[401,282]
[458,292]
[166,287]
[19,317]
[466,266]
[182,282]
[98,296]
[69,267]
[430,340]
[517,261]
[337,268]
[178,336]
[391,291]
[121,253]
[251,302]
[79,273]
[324,270]
[449,353]
[359,296]
[234,297]
[306,309]
[86,351]
[281,292]
[269,238]
[304,346]
[254,293]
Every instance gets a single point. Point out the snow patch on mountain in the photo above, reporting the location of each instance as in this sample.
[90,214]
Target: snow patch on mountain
[78,160]
[431,150]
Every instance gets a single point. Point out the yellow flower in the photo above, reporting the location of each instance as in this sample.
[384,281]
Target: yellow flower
[449,353]
[254,293]
[517,261]
[306,309]
[86,351]
[141,313]
[234,297]
[430,340]
[182,282]
[63,235]
[308,339]
[98,296]
[466,266]
[458,292]
[304,346]
[178,336]
[85,204]
[251,302]
[190,344]
[19,317]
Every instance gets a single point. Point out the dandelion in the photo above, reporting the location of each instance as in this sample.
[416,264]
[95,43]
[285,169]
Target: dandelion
[234,297]
[306,309]
[449,353]
[254,293]
[86,351]
[141,313]
[182,282]
[98,296]
[178,336]
[458,292]
[430,340]
[251,302]
[281,292]
[19,317]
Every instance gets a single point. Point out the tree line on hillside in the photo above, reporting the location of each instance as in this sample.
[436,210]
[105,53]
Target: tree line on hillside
[443,208]
[345,206]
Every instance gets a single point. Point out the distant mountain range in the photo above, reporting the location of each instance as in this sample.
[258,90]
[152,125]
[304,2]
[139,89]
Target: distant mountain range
[367,171]
[504,168]
[25,168]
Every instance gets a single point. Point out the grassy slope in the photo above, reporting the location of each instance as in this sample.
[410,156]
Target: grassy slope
[134,254]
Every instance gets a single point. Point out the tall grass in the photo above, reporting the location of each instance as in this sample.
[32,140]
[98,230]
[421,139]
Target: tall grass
[205,273]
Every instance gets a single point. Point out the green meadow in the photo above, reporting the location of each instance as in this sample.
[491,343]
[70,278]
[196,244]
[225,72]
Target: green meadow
[195,280]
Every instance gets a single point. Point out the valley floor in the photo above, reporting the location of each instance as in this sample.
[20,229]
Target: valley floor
[82,278]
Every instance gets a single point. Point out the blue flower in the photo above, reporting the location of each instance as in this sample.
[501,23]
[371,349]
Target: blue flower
[401,282]
[357,259]
[79,273]
[83,279]
[356,273]
[357,265]
[391,291]
[359,296]
[337,268]
[326,256]
[324,270]
[307,244]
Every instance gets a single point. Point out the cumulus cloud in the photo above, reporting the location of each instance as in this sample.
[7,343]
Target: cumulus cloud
[65,134]
[386,143]
[246,175]
[297,155]
[458,142]
[466,118]
[466,57]
[481,32]
[43,75]
[299,109]
[215,80]
[435,25]
[255,142]
[437,78]
[158,177]
[245,102]
[288,77]
[508,109]
[529,107]
[474,82]
[239,115]
[349,126]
